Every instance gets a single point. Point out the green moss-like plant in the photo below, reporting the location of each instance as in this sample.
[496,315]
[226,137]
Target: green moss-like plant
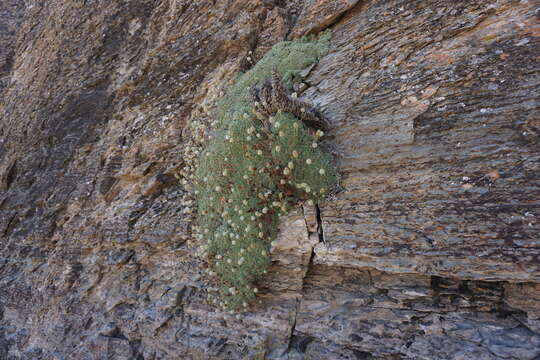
[256,169]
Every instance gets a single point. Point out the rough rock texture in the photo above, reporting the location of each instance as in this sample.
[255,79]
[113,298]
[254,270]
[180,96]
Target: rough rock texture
[11,13]
[431,249]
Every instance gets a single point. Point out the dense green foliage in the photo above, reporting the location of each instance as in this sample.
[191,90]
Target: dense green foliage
[255,170]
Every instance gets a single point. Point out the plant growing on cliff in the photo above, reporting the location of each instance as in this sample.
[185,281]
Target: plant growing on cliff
[262,163]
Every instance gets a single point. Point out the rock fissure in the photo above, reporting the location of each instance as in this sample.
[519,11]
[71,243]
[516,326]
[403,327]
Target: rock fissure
[320,229]
[293,327]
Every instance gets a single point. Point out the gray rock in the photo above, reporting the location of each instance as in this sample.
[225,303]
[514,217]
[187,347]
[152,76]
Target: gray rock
[429,250]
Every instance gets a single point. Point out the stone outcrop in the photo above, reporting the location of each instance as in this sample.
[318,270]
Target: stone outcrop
[430,249]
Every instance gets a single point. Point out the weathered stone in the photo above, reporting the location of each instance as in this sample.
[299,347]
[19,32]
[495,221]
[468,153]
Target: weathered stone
[374,312]
[11,13]
[430,176]
[430,249]
[318,15]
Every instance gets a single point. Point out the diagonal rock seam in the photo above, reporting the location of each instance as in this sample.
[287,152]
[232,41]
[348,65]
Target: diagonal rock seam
[334,19]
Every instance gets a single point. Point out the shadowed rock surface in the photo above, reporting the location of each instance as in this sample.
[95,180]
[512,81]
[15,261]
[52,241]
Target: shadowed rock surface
[430,250]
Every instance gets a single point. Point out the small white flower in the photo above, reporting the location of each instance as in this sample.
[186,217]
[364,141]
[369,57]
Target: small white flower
[322,171]
[295,153]
[309,161]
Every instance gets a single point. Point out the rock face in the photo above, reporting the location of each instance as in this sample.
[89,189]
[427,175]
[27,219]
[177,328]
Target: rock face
[11,13]
[430,250]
